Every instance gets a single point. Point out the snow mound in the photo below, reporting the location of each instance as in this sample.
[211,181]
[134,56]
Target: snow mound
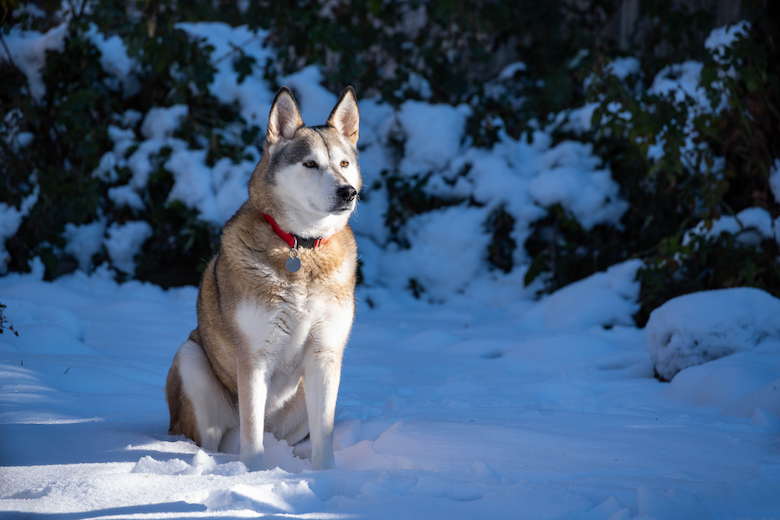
[745,384]
[602,299]
[267,498]
[695,328]
[43,329]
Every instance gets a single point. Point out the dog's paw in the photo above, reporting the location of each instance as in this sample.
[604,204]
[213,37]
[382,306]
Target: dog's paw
[323,461]
[252,460]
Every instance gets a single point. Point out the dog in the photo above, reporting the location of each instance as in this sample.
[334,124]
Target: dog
[276,303]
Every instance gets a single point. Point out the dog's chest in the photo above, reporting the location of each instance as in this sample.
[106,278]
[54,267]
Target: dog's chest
[278,331]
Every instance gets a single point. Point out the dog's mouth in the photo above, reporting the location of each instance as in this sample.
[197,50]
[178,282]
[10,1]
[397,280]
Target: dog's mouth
[343,207]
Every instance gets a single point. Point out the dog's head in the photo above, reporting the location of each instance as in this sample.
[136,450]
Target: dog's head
[309,177]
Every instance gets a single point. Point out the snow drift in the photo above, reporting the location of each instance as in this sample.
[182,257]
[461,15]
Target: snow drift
[695,328]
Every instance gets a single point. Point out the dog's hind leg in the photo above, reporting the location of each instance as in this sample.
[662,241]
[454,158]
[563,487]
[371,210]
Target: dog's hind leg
[207,409]
[183,420]
[291,421]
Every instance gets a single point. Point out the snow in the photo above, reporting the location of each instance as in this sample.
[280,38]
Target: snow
[28,52]
[126,196]
[230,180]
[570,177]
[695,328]
[571,307]
[577,120]
[750,226]
[623,67]
[10,220]
[680,81]
[417,84]
[510,70]
[124,243]
[432,133]
[30,10]
[314,101]
[214,192]
[114,60]
[253,95]
[523,179]
[721,38]
[161,122]
[454,411]
[84,241]
[446,253]
[774,179]
[192,184]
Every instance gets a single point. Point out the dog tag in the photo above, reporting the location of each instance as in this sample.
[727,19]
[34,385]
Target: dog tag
[293,264]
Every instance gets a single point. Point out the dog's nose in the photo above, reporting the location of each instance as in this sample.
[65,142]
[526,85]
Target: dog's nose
[346,193]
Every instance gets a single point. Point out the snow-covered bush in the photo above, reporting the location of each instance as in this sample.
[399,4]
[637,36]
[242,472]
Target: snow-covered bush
[500,143]
[109,123]
[692,148]
[124,116]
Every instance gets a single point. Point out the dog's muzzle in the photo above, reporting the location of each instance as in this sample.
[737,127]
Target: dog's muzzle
[345,195]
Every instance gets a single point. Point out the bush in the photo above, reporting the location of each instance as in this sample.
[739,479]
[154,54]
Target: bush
[75,125]
[714,165]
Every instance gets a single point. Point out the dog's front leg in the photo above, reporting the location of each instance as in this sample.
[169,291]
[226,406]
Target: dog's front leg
[322,373]
[253,379]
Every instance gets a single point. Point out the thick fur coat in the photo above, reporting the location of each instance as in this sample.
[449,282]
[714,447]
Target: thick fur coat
[266,354]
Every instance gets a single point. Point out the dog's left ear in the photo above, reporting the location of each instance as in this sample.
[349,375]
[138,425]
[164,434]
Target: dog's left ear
[345,116]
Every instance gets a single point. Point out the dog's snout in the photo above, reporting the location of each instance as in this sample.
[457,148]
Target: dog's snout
[346,193]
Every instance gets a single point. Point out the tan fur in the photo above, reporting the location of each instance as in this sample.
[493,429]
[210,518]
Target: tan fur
[300,317]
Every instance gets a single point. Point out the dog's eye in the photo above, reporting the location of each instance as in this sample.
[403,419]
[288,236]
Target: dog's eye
[310,164]
[344,164]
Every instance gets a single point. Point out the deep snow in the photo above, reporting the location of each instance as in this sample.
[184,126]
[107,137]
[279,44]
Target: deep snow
[524,410]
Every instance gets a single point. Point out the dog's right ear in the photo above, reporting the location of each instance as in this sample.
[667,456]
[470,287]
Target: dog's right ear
[345,117]
[285,118]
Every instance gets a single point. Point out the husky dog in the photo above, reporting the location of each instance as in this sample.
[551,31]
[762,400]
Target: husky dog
[276,303]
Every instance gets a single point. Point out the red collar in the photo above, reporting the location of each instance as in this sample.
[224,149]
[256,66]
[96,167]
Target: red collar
[293,241]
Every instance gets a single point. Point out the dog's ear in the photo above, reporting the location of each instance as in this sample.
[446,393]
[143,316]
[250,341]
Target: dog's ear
[285,118]
[345,116]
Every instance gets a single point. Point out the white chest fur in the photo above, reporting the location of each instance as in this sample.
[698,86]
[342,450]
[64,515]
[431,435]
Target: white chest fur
[275,338]
[280,337]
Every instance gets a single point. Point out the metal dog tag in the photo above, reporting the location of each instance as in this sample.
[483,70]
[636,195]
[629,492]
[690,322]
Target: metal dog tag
[293,264]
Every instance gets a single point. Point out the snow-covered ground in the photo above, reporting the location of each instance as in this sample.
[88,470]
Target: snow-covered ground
[525,410]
